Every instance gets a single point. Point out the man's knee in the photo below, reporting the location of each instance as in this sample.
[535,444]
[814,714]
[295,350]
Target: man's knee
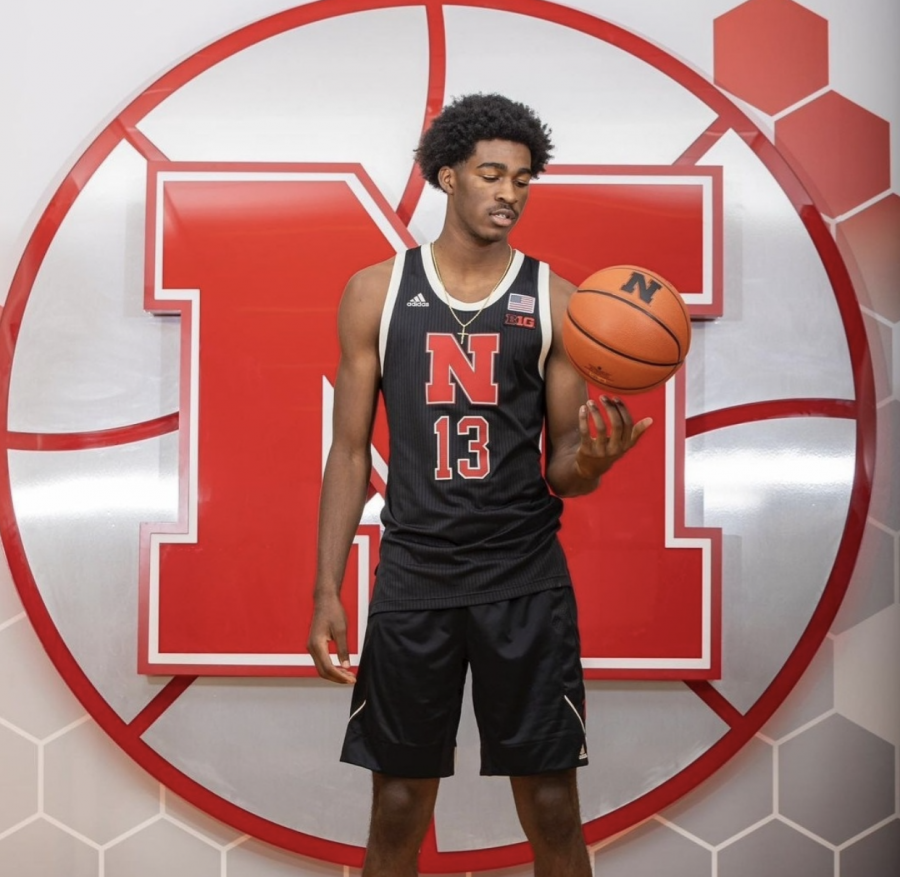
[555,819]
[548,807]
[402,807]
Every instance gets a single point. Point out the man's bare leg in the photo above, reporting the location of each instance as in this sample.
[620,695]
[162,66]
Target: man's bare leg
[401,813]
[548,809]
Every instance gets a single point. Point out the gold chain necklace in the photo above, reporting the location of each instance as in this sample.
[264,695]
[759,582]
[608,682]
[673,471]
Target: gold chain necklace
[484,301]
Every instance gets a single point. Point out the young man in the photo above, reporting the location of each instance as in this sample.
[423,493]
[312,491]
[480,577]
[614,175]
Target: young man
[471,572]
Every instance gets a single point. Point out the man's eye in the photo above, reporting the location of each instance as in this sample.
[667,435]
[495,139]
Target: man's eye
[490,179]
[523,184]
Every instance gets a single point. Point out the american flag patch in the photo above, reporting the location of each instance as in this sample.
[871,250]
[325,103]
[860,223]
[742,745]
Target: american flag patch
[524,304]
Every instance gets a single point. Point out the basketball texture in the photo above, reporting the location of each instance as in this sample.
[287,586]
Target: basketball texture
[626,329]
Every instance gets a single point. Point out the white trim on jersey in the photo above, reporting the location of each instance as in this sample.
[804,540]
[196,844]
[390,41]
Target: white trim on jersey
[543,285]
[389,302]
[457,305]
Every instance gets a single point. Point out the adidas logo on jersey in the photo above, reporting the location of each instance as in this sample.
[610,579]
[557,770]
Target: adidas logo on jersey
[417,301]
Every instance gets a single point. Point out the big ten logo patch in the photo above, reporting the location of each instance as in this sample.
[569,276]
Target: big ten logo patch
[163,474]
[519,320]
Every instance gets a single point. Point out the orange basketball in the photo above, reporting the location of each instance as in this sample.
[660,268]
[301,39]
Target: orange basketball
[626,329]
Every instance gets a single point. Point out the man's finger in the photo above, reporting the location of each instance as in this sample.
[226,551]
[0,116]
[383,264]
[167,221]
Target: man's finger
[640,428]
[614,413]
[315,647]
[343,652]
[597,417]
[625,414]
[325,666]
[583,423]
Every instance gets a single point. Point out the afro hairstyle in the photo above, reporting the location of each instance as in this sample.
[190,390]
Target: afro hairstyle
[452,136]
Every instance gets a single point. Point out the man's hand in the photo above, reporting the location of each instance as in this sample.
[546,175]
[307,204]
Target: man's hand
[606,444]
[329,624]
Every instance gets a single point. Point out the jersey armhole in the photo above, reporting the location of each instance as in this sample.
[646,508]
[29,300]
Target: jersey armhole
[543,285]
[389,302]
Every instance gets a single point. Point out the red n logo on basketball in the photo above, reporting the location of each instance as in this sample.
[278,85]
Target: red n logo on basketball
[451,366]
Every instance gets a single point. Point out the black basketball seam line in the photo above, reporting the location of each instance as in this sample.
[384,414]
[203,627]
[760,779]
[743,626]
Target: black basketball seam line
[599,343]
[631,304]
[642,389]
[641,310]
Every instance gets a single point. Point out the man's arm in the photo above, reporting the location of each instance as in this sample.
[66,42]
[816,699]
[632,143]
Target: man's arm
[349,463]
[580,445]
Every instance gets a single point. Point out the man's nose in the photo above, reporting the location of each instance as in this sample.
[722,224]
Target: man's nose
[507,192]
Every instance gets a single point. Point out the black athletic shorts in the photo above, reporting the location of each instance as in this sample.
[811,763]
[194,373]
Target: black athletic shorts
[527,688]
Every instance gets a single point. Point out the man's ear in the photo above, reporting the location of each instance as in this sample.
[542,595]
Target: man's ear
[446,179]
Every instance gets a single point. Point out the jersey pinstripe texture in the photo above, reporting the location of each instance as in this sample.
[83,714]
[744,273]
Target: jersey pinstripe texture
[468,516]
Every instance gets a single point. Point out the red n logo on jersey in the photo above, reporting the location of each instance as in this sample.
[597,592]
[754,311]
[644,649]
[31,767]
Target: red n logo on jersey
[451,366]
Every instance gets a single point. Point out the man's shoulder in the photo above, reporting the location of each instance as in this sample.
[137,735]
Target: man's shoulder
[560,284]
[367,288]
[373,278]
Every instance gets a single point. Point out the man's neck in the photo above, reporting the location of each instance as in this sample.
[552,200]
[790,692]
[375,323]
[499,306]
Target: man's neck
[468,266]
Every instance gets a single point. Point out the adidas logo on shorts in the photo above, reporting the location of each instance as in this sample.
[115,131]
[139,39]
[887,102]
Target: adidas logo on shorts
[417,301]
[582,756]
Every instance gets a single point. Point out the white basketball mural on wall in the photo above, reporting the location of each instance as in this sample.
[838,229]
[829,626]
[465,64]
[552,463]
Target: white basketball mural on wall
[767,432]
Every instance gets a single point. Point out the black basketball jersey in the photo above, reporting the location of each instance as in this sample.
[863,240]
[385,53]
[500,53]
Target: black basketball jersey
[468,517]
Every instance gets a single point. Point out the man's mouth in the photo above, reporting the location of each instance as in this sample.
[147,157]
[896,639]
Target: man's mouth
[504,217]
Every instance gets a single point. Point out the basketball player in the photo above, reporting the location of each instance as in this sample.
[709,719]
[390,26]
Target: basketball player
[462,338]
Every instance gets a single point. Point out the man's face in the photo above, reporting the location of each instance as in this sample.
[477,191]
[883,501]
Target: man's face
[488,191]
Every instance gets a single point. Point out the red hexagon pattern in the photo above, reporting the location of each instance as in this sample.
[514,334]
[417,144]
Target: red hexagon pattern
[840,151]
[869,242]
[771,53]
[774,53]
